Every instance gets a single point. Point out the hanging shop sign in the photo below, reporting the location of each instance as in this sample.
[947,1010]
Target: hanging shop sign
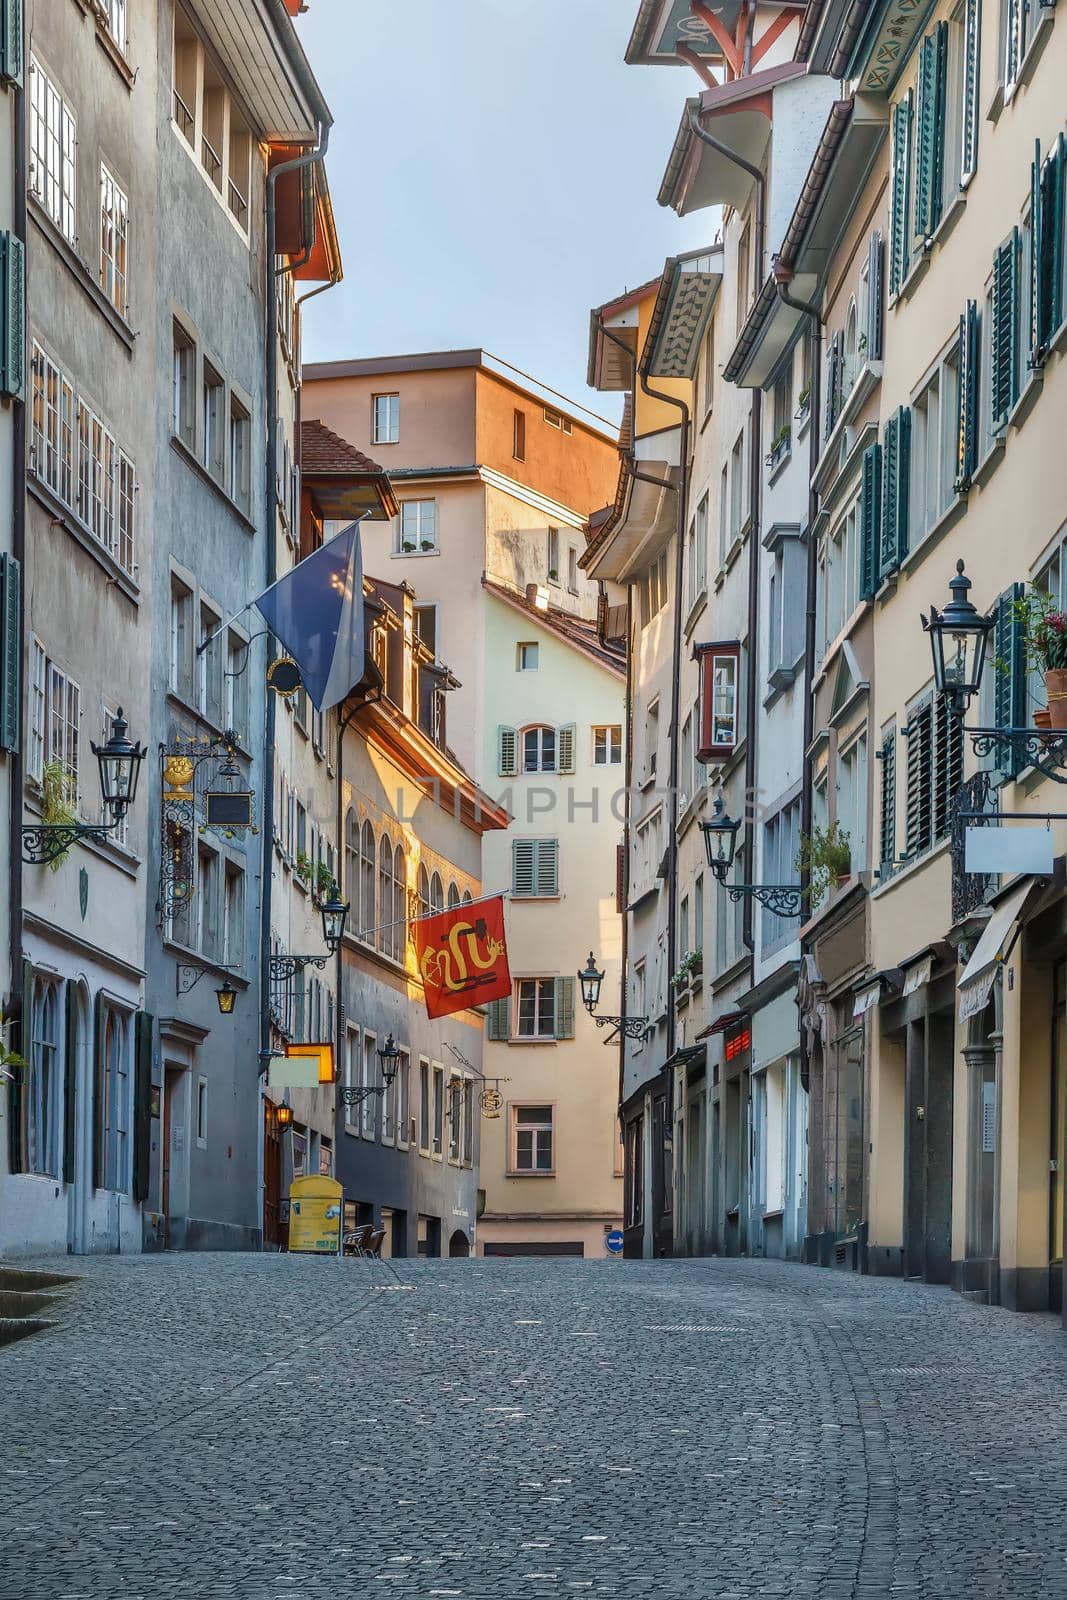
[462,957]
[1008,851]
[866,998]
[491,1102]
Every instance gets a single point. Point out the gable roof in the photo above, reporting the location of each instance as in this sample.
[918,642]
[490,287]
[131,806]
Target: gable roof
[342,479]
[578,632]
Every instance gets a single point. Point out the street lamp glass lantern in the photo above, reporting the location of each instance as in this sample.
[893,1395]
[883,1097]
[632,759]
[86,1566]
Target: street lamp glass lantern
[285,1116]
[389,1056]
[720,839]
[120,767]
[959,636]
[590,981]
[334,917]
[226,995]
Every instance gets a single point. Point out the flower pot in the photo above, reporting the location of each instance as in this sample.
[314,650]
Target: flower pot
[1056,689]
[1042,719]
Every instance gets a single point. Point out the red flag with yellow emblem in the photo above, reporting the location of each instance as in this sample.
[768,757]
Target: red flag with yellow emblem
[463,957]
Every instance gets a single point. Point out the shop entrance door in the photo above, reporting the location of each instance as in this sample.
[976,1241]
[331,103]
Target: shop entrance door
[1057,1199]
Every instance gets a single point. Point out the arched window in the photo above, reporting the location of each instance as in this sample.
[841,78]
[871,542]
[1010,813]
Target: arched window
[852,354]
[366,885]
[467,897]
[400,903]
[385,896]
[453,895]
[42,1142]
[539,749]
[350,886]
[437,894]
[115,1090]
[424,891]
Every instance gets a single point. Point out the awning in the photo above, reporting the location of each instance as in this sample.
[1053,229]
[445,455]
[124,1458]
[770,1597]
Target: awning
[725,1019]
[994,947]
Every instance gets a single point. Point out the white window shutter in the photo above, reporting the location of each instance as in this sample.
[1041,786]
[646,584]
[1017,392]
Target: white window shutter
[565,745]
[564,1008]
[507,745]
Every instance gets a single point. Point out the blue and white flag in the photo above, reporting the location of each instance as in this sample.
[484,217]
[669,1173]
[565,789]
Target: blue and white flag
[316,611]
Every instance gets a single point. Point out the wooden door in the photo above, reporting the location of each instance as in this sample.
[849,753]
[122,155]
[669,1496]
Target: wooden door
[272,1176]
[171,1079]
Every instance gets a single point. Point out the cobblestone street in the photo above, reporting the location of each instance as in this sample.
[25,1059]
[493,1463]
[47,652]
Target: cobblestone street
[265,1426]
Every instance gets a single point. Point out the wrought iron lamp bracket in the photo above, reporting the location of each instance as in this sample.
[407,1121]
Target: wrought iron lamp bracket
[1045,750]
[630,1027]
[357,1095]
[44,842]
[783,899]
[282,968]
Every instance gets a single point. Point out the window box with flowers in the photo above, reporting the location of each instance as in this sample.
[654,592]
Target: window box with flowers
[780,446]
[1044,630]
[690,967]
[825,856]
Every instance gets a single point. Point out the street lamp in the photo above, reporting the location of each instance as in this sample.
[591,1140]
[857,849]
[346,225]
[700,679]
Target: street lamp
[958,639]
[285,1116]
[389,1056]
[226,995]
[119,761]
[590,981]
[720,839]
[334,917]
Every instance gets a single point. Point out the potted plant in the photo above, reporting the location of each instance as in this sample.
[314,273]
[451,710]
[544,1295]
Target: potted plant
[804,400]
[1045,633]
[553,575]
[408,545]
[690,967]
[57,786]
[427,544]
[303,866]
[826,857]
[323,881]
[8,1058]
[779,444]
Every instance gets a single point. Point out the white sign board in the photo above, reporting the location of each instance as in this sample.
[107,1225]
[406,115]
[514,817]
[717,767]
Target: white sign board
[1008,850]
[299,1072]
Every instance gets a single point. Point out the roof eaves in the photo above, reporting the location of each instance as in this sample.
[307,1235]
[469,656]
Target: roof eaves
[752,330]
[822,163]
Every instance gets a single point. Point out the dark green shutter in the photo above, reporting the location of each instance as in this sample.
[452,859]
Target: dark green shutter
[900,195]
[903,480]
[1046,249]
[887,558]
[11,43]
[499,1020]
[870,520]
[564,1008]
[142,1105]
[833,383]
[971,78]
[948,765]
[13,299]
[10,652]
[930,138]
[1009,689]
[967,422]
[70,1080]
[99,1069]
[1003,334]
[17,1089]
[875,329]
[1057,179]
[887,756]
[1013,41]
[918,823]
[1035,354]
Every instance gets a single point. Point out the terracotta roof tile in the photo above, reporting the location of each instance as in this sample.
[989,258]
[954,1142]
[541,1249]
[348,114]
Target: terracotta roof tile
[322,450]
[577,631]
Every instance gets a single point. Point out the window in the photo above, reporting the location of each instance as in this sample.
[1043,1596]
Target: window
[720,676]
[737,487]
[647,848]
[852,800]
[635,1183]
[653,589]
[438,1109]
[400,904]
[201,1113]
[934,773]
[386,418]
[113,14]
[534,868]
[709,367]
[556,419]
[181,639]
[539,750]
[42,1083]
[607,746]
[207,904]
[518,436]
[78,459]
[685,764]
[53,152]
[426,627]
[1017,22]
[233,917]
[895,495]
[782,413]
[781,843]
[424,1107]
[698,912]
[437,894]
[900,194]
[553,555]
[209,663]
[744,276]
[934,441]
[54,731]
[651,738]
[417,531]
[239,175]
[572,570]
[403,1100]
[114,1083]
[213,391]
[536,1008]
[240,456]
[114,241]
[385,895]
[455,1117]
[697,553]
[526,658]
[531,1139]
[184,372]
[785,614]
[838,590]
[368,1078]
[235,691]
[468,1122]
[352,1065]
[210,122]
[887,806]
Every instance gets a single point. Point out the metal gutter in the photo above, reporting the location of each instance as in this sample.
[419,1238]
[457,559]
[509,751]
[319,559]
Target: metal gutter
[18,550]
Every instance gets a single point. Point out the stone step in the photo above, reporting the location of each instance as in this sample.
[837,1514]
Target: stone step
[27,1278]
[12,1328]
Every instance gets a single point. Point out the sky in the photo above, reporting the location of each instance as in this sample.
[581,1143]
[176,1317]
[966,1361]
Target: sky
[494,166]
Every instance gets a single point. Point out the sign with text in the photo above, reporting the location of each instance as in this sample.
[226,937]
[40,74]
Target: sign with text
[462,956]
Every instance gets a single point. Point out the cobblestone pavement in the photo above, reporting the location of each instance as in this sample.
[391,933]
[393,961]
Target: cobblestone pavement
[270,1426]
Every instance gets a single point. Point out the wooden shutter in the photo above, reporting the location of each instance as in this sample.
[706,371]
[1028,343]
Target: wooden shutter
[522,867]
[900,195]
[620,878]
[18,1099]
[70,1079]
[1002,341]
[1013,42]
[971,79]
[930,140]
[1009,687]
[13,298]
[1036,353]
[896,458]
[1046,248]
[499,1020]
[967,419]
[507,747]
[546,867]
[10,652]
[903,480]
[887,756]
[948,765]
[565,750]
[99,1069]
[564,1008]
[918,823]
[875,297]
[834,362]
[870,520]
[142,1104]
[11,42]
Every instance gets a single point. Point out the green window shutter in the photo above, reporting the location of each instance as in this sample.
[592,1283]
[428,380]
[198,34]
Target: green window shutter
[18,1100]
[870,520]
[1046,275]
[834,381]
[1003,334]
[70,1079]
[522,867]
[499,1020]
[546,869]
[1057,178]
[900,194]
[1036,353]
[903,480]
[967,422]
[918,815]
[1013,42]
[142,1105]
[875,297]
[10,652]
[887,557]
[972,24]
[930,136]
[11,42]
[99,1069]
[1009,651]
[13,301]
[564,999]
[887,757]
[565,750]
[948,765]
[507,749]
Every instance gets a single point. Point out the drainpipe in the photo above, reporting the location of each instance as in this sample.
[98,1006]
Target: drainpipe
[755,516]
[18,550]
[783,276]
[271,519]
